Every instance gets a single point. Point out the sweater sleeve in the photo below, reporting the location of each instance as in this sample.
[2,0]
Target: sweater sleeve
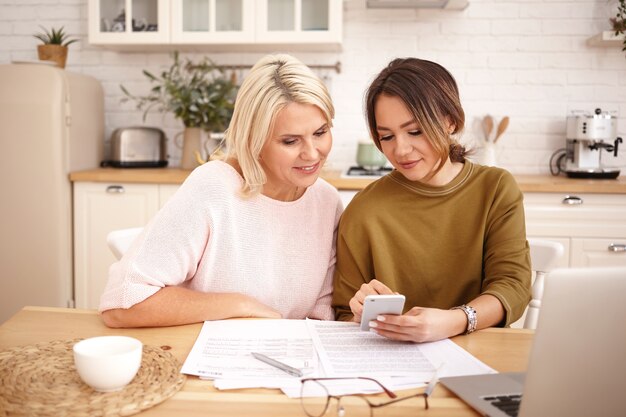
[506,259]
[167,252]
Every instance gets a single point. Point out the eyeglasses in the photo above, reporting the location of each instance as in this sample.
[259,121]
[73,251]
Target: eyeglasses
[349,405]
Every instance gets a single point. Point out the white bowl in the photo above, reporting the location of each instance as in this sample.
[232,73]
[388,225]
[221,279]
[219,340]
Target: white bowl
[108,363]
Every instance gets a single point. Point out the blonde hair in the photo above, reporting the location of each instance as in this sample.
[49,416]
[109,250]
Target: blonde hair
[273,82]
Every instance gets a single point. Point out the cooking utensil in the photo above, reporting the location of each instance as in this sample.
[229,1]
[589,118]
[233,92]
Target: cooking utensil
[504,123]
[487,127]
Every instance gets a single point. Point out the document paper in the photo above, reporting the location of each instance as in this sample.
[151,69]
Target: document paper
[318,348]
[222,349]
[345,350]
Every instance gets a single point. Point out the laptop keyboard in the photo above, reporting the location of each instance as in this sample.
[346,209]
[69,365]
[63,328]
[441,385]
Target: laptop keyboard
[508,404]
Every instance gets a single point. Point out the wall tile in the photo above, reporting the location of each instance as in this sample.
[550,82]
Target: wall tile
[528,59]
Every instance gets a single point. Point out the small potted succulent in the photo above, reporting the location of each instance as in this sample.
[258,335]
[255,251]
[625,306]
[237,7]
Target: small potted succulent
[618,23]
[54,47]
[199,94]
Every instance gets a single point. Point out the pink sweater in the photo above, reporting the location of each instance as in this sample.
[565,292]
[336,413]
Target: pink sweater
[208,238]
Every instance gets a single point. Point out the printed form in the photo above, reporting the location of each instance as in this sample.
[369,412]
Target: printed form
[345,350]
[223,349]
[222,352]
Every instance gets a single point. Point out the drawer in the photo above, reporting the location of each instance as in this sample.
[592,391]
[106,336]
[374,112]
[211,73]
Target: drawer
[581,215]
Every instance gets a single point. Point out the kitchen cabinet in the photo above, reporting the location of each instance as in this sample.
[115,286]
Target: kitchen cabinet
[166,191]
[240,24]
[129,22]
[598,252]
[591,227]
[213,21]
[100,208]
[300,21]
[347,196]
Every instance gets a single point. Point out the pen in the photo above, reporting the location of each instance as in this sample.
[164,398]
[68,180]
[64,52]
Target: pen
[283,367]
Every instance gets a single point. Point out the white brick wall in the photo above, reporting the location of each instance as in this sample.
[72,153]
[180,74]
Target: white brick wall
[523,58]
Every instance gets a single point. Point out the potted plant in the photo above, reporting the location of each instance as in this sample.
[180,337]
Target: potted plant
[54,47]
[199,94]
[618,23]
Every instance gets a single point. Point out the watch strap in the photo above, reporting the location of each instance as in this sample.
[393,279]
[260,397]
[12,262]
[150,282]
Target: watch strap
[472,319]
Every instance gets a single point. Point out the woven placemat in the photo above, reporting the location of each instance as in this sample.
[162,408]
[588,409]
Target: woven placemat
[41,380]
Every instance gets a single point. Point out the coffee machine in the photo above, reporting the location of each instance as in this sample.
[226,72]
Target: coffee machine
[587,136]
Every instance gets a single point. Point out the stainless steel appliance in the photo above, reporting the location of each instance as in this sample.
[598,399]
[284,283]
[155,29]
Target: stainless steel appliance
[137,147]
[587,136]
[52,123]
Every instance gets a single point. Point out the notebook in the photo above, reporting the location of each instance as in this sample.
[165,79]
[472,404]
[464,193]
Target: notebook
[577,366]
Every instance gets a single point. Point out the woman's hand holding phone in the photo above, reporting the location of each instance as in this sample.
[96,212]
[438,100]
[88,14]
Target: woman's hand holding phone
[380,305]
[419,324]
[374,287]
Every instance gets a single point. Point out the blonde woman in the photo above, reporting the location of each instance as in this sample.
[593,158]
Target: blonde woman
[252,234]
[447,233]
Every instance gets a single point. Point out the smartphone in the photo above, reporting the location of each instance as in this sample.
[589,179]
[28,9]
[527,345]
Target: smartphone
[375,305]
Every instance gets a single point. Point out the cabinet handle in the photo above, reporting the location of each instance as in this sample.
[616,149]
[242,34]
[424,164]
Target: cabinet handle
[572,200]
[617,247]
[115,189]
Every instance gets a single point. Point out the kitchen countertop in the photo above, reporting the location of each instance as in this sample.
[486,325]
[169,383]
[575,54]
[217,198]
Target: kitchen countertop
[527,183]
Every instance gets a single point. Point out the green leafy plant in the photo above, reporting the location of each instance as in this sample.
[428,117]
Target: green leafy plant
[199,94]
[54,37]
[619,21]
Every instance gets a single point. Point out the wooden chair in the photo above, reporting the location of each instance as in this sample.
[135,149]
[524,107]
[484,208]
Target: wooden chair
[120,240]
[544,255]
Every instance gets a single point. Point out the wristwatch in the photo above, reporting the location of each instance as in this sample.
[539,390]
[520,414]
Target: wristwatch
[472,320]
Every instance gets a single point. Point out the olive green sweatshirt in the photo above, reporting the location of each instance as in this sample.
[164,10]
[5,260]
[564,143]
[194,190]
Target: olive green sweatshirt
[439,246]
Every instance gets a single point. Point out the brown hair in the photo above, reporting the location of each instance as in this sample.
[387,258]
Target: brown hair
[431,94]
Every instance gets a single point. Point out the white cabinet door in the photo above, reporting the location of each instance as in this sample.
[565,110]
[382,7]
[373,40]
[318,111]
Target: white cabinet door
[299,21]
[166,191]
[598,252]
[100,208]
[212,21]
[347,196]
[582,215]
[593,226]
[123,22]
[248,24]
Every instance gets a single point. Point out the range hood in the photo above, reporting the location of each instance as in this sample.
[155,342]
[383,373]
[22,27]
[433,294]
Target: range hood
[418,4]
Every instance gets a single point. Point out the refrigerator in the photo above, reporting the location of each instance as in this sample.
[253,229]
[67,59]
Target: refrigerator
[51,123]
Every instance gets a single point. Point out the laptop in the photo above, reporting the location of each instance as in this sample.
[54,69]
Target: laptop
[577,366]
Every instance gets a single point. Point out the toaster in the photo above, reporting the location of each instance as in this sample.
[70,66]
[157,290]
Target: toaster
[137,147]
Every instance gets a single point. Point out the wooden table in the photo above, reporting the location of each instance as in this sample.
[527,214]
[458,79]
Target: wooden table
[503,349]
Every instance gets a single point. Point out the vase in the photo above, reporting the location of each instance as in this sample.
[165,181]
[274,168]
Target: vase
[192,146]
[56,53]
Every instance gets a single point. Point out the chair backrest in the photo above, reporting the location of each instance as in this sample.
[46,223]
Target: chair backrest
[544,256]
[120,240]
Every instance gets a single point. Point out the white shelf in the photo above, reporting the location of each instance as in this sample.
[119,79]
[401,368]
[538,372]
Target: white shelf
[606,38]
